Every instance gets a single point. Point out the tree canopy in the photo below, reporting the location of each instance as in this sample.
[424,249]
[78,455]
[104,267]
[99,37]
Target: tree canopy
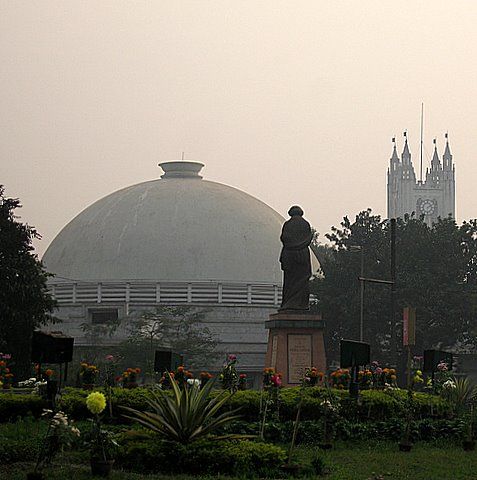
[436,272]
[178,328]
[24,299]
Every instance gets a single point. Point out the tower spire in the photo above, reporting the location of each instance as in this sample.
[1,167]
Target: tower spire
[406,155]
[447,157]
[435,163]
[394,157]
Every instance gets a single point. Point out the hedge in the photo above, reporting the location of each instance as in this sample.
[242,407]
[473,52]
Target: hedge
[73,401]
[143,452]
[374,405]
[14,406]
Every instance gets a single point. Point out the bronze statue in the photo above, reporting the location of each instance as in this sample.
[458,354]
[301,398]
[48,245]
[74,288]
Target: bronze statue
[295,261]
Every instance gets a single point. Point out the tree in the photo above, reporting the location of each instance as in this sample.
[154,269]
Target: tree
[25,303]
[436,270]
[179,328]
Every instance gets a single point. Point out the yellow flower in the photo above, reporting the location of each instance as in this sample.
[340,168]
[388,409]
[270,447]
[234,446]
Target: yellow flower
[96,402]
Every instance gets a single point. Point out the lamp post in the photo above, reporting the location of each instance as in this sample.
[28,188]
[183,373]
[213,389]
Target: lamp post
[360,248]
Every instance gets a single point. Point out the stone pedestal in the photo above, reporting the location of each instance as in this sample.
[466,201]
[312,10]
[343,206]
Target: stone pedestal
[295,342]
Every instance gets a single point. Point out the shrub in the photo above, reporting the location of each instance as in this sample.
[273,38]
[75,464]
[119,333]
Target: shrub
[186,415]
[13,406]
[145,453]
[375,405]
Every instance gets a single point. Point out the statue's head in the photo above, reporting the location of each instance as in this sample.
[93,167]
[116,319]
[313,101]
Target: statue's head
[295,211]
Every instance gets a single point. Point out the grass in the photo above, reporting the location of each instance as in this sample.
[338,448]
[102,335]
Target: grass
[355,461]
[376,460]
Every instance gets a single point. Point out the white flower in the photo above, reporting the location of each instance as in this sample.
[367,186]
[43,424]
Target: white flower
[449,385]
[193,381]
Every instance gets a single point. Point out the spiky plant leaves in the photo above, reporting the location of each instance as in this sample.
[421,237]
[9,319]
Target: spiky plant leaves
[188,415]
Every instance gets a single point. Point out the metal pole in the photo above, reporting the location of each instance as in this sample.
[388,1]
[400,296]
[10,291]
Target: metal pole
[393,293]
[361,312]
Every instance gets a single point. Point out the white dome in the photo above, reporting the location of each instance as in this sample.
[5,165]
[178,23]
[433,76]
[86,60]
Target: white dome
[178,228]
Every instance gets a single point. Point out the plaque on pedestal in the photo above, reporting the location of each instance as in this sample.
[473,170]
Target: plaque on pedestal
[295,342]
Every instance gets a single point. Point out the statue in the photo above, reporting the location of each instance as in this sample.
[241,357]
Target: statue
[295,261]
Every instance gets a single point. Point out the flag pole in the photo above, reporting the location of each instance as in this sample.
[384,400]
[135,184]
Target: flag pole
[422,124]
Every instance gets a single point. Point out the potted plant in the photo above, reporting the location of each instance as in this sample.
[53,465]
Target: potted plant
[204,378]
[310,378]
[242,383]
[88,374]
[182,376]
[229,376]
[313,377]
[129,377]
[102,443]
[405,445]
[271,384]
[330,407]
[60,434]
[6,377]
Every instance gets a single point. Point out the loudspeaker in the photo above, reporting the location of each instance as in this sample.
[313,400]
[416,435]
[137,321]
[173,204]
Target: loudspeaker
[354,353]
[432,358]
[165,360]
[51,347]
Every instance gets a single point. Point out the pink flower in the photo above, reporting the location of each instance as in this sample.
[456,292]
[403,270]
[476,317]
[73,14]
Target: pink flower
[232,357]
[110,357]
[442,367]
[276,380]
[379,370]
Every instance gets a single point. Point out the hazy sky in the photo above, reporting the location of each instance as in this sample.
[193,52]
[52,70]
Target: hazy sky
[291,101]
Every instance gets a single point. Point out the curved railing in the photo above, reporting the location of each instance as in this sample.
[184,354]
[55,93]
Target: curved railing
[148,292]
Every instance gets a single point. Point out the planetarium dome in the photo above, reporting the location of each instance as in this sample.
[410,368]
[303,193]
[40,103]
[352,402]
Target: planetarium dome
[177,228]
[178,240]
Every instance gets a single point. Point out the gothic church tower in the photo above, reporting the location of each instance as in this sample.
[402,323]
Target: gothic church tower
[432,198]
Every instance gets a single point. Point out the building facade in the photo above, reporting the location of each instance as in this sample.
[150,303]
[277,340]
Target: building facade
[431,197]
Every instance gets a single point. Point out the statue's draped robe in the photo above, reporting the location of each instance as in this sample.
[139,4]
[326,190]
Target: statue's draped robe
[296,264]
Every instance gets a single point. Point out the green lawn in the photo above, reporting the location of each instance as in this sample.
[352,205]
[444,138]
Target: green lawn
[352,461]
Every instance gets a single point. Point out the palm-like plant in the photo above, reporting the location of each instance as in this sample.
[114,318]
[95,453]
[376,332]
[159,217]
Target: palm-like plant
[462,394]
[187,415]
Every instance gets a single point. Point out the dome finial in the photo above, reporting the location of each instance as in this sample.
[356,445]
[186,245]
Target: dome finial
[181,168]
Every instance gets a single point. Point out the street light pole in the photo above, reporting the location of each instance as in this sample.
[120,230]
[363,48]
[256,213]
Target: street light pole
[361,306]
[360,248]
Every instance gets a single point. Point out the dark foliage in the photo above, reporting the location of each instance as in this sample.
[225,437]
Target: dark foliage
[24,300]
[436,273]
